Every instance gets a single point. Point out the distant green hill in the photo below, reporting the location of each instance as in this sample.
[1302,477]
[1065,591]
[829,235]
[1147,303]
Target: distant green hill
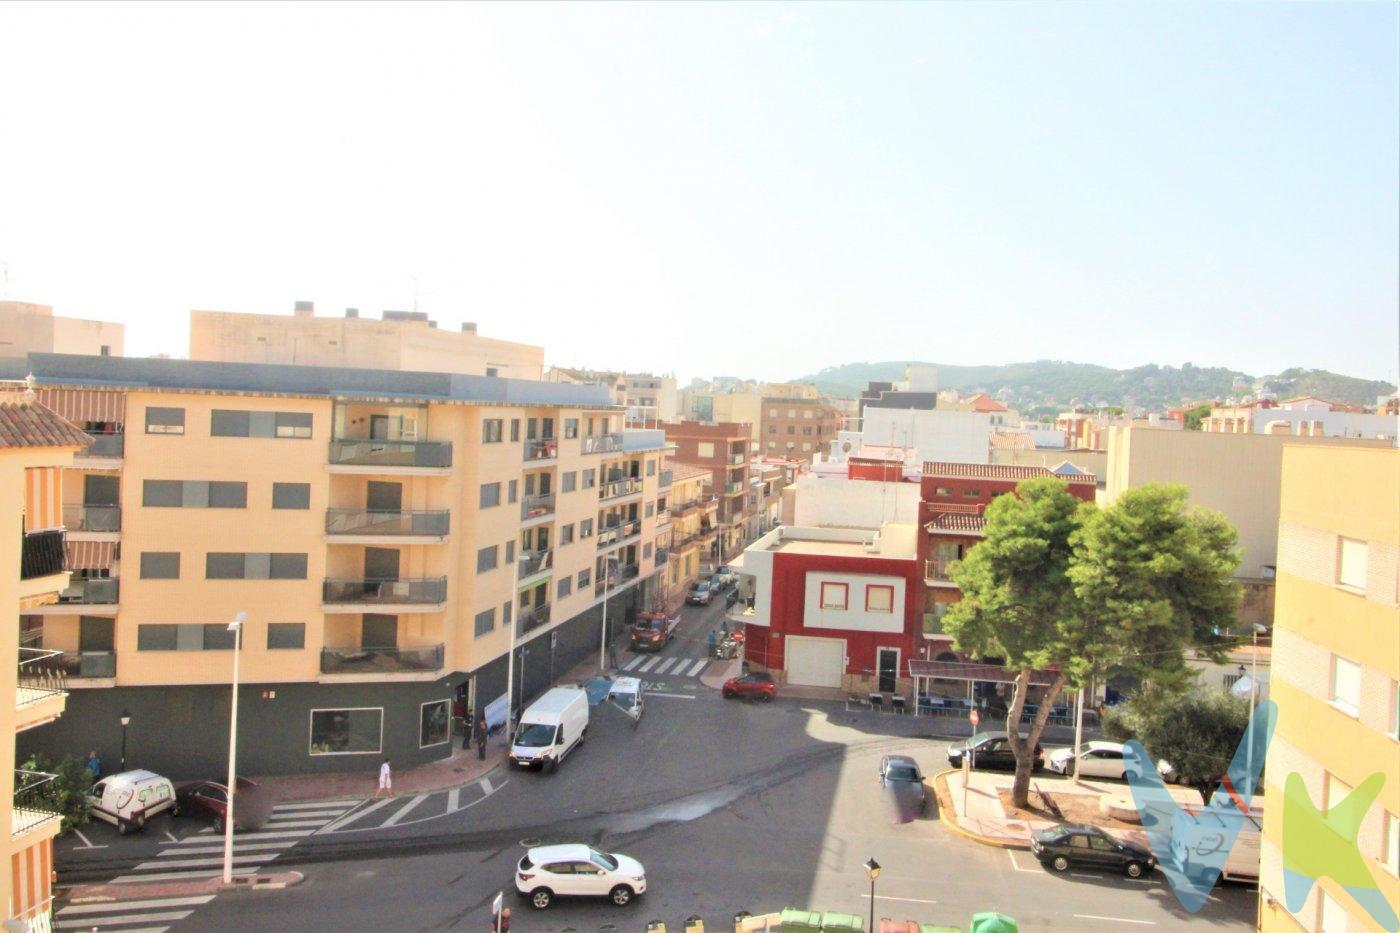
[1057,383]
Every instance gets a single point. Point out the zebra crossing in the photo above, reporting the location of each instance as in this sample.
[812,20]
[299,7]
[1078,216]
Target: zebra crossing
[656,665]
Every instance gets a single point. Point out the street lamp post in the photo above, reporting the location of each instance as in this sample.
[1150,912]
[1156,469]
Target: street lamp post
[872,868]
[126,721]
[236,627]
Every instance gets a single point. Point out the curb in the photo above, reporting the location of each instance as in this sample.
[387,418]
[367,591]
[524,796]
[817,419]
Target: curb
[945,802]
[116,893]
[397,791]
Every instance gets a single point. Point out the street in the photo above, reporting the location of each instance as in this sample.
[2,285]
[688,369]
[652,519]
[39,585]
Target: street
[730,806]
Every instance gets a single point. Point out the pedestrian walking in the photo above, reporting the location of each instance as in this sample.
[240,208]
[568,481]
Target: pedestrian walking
[94,766]
[503,921]
[481,739]
[386,780]
[612,654]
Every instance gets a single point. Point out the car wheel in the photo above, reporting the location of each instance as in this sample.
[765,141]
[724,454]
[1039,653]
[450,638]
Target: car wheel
[1123,776]
[621,895]
[124,828]
[728,694]
[1133,869]
[552,765]
[175,810]
[541,898]
[765,698]
[1059,863]
[141,821]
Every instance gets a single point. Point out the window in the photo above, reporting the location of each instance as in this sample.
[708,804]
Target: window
[566,534]
[228,423]
[1395,709]
[491,371]
[193,494]
[943,491]
[156,637]
[568,482]
[217,637]
[254,566]
[646,550]
[184,637]
[284,424]
[485,622]
[705,449]
[585,528]
[590,478]
[571,427]
[490,495]
[566,586]
[506,608]
[807,429]
[584,576]
[651,468]
[491,430]
[486,559]
[772,429]
[435,723]
[1391,857]
[291,495]
[772,444]
[293,424]
[224,566]
[514,430]
[346,731]
[227,495]
[1332,916]
[1346,685]
[833,596]
[283,636]
[792,429]
[650,509]
[162,493]
[972,492]
[1351,564]
[792,412]
[160,565]
[879,599]
[165,421]
[513,490]
[287,567]
[510,553]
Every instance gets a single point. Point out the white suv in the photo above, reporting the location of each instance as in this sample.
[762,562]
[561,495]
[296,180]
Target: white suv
[547,872]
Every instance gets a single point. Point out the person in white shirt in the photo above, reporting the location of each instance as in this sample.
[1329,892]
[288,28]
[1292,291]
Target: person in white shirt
[386,780]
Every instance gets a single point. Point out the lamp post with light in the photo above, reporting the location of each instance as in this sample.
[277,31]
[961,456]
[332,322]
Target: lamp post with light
[872,868]
[126,721]
[236,627]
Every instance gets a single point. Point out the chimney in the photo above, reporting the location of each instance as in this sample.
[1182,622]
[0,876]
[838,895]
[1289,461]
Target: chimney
[304,309]
[352,312]
[469,327]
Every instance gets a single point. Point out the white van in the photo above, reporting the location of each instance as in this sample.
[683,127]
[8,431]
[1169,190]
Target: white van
[626,695]
[1206,828]
[128,799]
[550,728]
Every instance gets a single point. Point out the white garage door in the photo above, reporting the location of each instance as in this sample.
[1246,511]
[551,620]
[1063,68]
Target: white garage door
[815,662]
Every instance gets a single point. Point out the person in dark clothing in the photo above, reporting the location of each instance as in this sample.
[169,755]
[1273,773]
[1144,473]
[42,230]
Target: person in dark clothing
[481,738]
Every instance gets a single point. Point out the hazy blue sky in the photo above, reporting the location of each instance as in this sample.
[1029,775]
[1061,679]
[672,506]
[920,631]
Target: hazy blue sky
[751,189]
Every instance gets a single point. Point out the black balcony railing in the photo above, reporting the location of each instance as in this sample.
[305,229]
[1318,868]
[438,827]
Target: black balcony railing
[537,506]
[365,660]
[377,522]
[36,801]
[40,675]
[79,516]
[362,452]
[533,562]
[108,446]
[376,592]
[542,448]
[533,617]
[84,664]
[91,591]
[41,554]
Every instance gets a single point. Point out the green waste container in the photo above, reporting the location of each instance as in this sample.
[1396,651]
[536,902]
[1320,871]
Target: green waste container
[992,922]
[795,920]
[841,923]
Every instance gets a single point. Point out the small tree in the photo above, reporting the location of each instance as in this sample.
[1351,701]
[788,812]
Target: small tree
[67,792]
[1197,731]
[1194,416]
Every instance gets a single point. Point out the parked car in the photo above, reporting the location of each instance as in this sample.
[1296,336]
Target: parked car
[550,728]
[1099,760]
[901,778]
[547,872]
[209,800]
[726,575]
[127,800]
[699,593]
[755,686]
[990,752]
[1077,844]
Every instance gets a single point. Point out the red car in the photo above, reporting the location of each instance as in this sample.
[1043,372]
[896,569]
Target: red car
[756,686]
[209,799]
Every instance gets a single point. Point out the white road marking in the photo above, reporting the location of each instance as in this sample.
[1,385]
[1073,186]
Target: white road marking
[305,815]
[1146,923]
[1012,855]
[1077,874]
[453,797]
[633,663]
[249,837]
[322,805]
[87,843]
[403,811]
[134,905]
[699,665]
[886,897]
[485,783]
[651,662]
[201,862]
[238,846]
[664,665]
[121,920]
[171,836]
[297,824]
[674,696]
[178,875]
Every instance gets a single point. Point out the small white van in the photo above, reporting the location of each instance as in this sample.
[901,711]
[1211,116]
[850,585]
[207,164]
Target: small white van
[128,799]
[626,695]
[550,728]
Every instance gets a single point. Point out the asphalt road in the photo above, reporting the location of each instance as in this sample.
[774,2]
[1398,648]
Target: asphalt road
[730,806]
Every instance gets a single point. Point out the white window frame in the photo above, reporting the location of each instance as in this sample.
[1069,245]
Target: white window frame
[311,718]
[1390,852]
[421,708]
[1344,704]
[1355,580]
[1323,901]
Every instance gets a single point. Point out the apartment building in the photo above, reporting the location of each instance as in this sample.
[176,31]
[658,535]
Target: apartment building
[722,449]
[385,532]
[1336,677]
[650,400]
[692,508]
[402,340]
[1304,416]
[795,428]
[35,446]
[27,328]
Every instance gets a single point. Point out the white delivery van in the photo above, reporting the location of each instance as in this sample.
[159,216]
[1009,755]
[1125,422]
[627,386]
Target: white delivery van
[128,799]
[550,728]
[1199,832]
[626,694]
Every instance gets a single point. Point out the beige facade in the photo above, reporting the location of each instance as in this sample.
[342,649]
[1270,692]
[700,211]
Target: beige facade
[692,507]
[32,328]
[406,342]
[1336,671]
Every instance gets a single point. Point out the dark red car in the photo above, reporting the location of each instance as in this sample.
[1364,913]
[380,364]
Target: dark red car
[209,799]
[756,686]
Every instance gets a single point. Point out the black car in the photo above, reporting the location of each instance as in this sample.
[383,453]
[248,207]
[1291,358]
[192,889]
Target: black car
[1076,844]
[904,786]
[991,752]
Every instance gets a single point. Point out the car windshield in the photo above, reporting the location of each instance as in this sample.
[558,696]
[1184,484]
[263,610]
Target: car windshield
[978,739]
[602,860]
[535,735]
[902,773]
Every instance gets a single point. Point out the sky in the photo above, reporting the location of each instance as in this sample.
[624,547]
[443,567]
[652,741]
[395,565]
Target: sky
[749,189]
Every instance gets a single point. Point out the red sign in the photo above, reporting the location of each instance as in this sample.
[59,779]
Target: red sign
[973,718]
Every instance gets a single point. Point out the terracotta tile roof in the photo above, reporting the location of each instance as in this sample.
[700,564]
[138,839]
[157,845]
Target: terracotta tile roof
[1007,440]
[681,471]
[26,423]
[1001,471]
[985,403]
[956,521]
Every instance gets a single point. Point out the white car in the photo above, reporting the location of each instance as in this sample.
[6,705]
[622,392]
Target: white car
[128,799]
[547,872]
[1098,760]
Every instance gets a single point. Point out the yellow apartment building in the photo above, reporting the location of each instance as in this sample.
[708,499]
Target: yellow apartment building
[35,445]
[403,340]
[1336,669]
[692,523]
[27,328]
[383,531]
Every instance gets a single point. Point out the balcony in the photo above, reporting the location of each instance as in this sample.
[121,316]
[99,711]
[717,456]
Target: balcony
[733,489]
[41,554]
[532,618]
[662,555]
[88,665]
[368,526]
[936,571]
[423,594]
[416,659]
[614,535]
[537,506]
[616,489]
[666,478]
[622,577]
[103,447]
[82,517]
[358,455]
[602,443]
[534,563]
[40,692]
[735,460]
[91,591]
[542,448]
[35,805]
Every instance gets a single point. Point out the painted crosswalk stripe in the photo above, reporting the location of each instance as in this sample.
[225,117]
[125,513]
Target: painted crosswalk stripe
[353,815]
[699,666]
[651,662]
[250,837]
[177,875]
[453,796]
[238,846]
[202,862]
[633,663]
[306,815]
[295,824]
[319,805]
[122,920]
[485,784]
[159,902]
[403,811]
[664,665]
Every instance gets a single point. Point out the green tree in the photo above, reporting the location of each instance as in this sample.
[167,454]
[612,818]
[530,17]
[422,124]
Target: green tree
[1197,731]
[66,794]
[1195,415]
